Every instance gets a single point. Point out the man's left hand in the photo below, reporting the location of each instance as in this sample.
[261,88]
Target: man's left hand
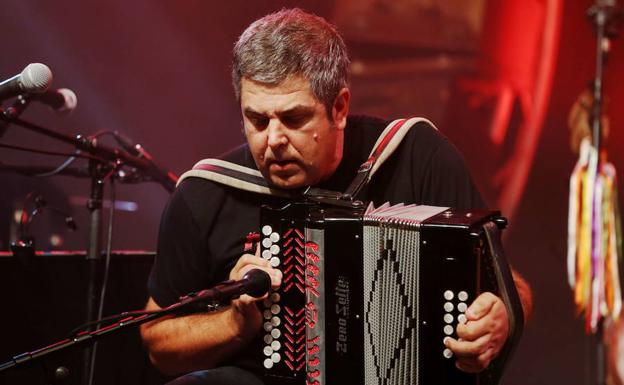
[482,336]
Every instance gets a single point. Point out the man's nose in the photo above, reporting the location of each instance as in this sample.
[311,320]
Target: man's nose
[276,134]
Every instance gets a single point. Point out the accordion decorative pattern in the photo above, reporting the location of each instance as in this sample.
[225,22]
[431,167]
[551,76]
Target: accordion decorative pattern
[391,298]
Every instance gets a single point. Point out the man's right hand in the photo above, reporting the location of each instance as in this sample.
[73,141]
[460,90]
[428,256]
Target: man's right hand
[249,262]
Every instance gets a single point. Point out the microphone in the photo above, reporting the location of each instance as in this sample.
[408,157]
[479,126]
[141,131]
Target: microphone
[35,78]
[255,283]
[62,100]
[167,178]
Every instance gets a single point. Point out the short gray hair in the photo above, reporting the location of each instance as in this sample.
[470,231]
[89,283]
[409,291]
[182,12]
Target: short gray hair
[292,42]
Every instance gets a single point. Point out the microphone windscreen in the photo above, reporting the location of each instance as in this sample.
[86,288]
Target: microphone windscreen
[69,98]
[258,282]
[36,78]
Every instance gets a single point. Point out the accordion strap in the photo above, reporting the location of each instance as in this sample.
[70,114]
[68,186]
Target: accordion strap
[248,179]
[387,142]
[233,175]
[509,294]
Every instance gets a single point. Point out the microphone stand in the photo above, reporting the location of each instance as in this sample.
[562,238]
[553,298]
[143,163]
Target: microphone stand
[604,15]
[255,283]
[102,166]
[98,174]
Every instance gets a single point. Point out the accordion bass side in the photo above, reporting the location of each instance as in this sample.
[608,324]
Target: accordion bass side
[367,297]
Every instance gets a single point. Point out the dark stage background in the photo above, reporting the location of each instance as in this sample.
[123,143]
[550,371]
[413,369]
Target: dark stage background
[498,78]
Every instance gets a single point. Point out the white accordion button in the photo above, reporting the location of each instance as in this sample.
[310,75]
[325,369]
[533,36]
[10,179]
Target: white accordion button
[268,339]
[266,254]
[448,330]
[267,314]
[275,333]
[447,353]
[448,306]
[462,307]
[266,243]
[266,230]
[275,249]
[274,262]
[275,345]
[268,363]
[463,296]
[274,237]
[275,357]
[268,351]
[448,295]
[275,309]
[275,297]
[461,319]
[268,326]
[448,318]
[275,321]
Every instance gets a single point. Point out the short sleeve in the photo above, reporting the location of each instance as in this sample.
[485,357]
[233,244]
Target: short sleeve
[183,263]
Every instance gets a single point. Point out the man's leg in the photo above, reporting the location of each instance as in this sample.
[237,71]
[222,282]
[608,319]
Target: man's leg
[226,375]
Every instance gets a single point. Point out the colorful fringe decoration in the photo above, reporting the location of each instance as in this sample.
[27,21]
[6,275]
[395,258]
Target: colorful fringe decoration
[594,238]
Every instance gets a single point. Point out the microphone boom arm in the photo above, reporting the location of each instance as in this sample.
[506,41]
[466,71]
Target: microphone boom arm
[113,155]
[255,283]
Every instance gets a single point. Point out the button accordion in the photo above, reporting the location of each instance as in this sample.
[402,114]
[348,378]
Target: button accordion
[368,296]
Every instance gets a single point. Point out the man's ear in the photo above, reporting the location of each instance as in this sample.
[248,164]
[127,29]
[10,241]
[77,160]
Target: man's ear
[340,110]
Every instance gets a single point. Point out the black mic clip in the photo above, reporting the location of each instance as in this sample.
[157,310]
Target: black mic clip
[16,109]
[18,106]
[198,302]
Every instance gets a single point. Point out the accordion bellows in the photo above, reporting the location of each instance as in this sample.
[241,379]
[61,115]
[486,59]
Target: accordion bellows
[368,296]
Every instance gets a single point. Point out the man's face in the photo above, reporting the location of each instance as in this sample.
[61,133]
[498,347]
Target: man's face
[293,141]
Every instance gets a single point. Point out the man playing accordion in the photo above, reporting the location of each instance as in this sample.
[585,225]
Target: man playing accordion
[290,75]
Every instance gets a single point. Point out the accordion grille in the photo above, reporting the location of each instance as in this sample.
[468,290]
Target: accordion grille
[391,319]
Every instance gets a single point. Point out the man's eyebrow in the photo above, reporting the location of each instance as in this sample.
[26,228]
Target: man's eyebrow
[295,110]
[251,111]
[298,109]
